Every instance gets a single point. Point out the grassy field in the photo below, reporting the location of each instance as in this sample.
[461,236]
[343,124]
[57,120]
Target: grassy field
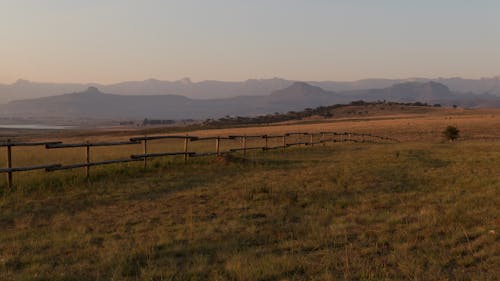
[480,125]
[407,125]
[422,209]
[411,211]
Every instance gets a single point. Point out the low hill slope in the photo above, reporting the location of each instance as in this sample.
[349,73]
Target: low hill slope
[94,104]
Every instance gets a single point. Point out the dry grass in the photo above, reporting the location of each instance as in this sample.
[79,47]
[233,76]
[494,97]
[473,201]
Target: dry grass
[406,127]
[420,124]
[422,210]
[474,125]
[349,212]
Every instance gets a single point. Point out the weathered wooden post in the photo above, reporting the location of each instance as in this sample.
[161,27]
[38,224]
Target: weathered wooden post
[284,142]
[87,158]
[217,145]
[186,149]
[9,164]
[266,140]
[145,151]
[244,145]
[322,139]
[311,139]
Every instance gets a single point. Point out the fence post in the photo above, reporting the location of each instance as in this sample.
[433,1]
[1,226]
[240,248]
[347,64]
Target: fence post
[145,150]
[284,142]
[217,145]
[266,139]
[9,164]
[311,139]
[186,149]
[87,156]
[322,139]
[244,145]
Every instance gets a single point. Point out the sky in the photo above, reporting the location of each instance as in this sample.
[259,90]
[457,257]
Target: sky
[108,41]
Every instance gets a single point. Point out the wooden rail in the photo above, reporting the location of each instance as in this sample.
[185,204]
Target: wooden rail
[10,170]
[211,138]
[88,144]
[311,140]
[296,134]
[31,168]
[246,136]
[247,148]
[297,143]
[203,154]
[163,137]
[163,154]
[11,144]
[89,164]
[274,147]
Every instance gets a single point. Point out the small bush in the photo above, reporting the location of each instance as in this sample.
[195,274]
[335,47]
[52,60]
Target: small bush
[451,133]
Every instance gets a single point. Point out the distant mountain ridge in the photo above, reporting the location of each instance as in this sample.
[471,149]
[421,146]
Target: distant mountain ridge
[93,103]
[24,89]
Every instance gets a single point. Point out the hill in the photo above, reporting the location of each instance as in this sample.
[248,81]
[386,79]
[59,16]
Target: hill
[356,109]
[24,89]
[93,103]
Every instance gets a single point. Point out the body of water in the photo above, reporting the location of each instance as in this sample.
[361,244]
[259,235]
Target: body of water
[34,127]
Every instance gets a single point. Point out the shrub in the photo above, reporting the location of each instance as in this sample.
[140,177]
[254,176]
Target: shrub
[451,133]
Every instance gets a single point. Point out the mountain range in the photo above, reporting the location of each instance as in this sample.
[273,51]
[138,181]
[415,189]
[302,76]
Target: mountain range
[93,103]
[24,89]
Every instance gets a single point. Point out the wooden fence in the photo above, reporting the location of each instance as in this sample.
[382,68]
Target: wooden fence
[308,139]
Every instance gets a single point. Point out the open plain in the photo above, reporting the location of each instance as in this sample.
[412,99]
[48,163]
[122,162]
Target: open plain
[420,209]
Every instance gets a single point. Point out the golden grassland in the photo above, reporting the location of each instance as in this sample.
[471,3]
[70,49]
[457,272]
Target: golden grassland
[411,124]
[481,125]
[422,209]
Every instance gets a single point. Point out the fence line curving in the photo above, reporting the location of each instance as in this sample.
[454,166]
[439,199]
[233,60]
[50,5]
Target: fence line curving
[286,142]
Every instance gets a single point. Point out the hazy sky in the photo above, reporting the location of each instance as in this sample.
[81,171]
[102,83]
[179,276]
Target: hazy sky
[115,40]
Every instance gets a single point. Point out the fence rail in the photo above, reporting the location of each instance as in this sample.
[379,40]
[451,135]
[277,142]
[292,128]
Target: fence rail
[31,168]
[145,138]
[87,165]
[89,144]
[286,141]
[163,154]
[11,144]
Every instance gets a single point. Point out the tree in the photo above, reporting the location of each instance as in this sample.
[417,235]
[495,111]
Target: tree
[451,133]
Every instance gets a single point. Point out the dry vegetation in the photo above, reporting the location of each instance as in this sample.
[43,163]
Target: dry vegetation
[419,210]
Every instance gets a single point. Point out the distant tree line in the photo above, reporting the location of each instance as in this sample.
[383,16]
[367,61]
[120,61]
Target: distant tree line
[147,122]
[322,111]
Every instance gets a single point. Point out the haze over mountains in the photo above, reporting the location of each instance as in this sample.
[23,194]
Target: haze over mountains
[94,103]
[23,89]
